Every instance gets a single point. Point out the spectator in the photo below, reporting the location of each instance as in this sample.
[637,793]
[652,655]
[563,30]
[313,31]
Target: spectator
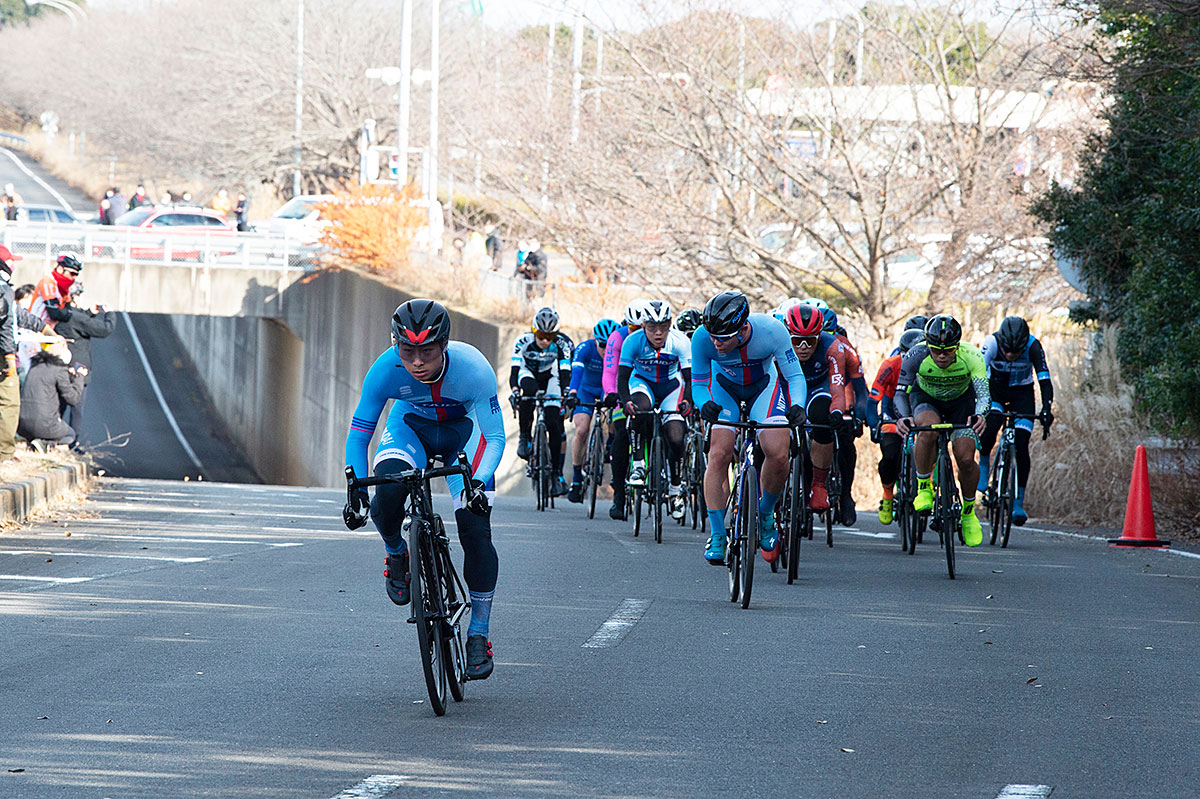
[11,315]
[221,203]
[106,209]
[534,269]
[26,297]
[494,246]
[139,198]
[117,205]
[80,325]
[51,385]
[242,212]
[522,249]
[12,202]
[55,286]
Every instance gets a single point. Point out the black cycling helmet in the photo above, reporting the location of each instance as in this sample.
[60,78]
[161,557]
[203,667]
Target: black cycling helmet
[910,339]
[689,320]
[69,261]
[1013,334]
[725,313]
[420,322]
[943,330]
[916,322]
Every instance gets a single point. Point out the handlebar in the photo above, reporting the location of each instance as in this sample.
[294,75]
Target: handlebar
[461,467]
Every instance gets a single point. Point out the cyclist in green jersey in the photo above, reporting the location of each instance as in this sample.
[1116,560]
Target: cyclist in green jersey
[937,381]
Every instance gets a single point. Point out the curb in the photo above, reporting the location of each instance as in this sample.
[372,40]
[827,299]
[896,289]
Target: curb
[19,499]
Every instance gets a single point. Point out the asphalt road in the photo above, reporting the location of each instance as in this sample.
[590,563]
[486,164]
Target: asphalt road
[235,641]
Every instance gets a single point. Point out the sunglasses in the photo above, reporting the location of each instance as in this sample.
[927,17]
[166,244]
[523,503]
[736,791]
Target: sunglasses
[722,339]
[936,348]
[540,336]
[804,341]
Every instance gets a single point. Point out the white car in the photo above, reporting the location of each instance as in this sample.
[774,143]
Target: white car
[298,220]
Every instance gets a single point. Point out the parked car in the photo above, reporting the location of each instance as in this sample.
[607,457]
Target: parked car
[47,214]
[173,232]
[298,220]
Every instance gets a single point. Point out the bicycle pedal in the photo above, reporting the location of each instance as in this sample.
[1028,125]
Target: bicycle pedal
[411,619]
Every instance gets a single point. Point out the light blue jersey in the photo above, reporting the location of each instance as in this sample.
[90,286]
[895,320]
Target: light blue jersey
[657,366]
[767,345]
[466,390]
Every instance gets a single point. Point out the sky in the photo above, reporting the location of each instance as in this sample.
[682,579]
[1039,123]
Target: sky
[630,14]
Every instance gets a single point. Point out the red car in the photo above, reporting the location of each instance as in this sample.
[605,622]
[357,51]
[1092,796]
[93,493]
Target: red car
[157,233]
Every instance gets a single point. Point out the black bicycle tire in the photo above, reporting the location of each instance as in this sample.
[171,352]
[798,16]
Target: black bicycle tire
[945,506]
[992,497]
[545,476]
[654,482]
[595,465]
[748,519]
[1010,497]
[797,500]
[428,639]
[732,551]
[637,511]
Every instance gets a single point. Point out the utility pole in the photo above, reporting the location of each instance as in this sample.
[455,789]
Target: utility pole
[434,57]
[576,75]
[545,201]
[404,93]
[299,92]
[599,65]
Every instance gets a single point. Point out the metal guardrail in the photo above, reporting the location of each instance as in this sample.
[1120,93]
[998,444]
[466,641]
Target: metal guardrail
[127,246]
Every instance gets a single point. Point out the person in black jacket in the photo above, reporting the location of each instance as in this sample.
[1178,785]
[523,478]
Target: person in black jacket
[80,326]
[49,386]
[12,315]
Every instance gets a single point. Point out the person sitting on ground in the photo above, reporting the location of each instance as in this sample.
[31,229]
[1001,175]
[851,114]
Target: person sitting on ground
[49,385]
[79,325]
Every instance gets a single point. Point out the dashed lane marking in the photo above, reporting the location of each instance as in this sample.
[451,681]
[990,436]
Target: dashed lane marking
[863,533]
[618,625]
[51,580]
[374,787]
[1025,792]
[172,540]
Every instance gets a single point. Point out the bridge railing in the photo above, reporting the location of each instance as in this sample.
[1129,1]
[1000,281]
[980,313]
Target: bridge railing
[215,249]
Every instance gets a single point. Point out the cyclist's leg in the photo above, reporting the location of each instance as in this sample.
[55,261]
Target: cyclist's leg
[890,447]
[399,449]
[847,461]
[666,396]
[1022,402]
[641,394]
[529,383]
[716,474]
[583,425]
[554,423]
[620,464]
[988,439]
[926,411]
[821,452]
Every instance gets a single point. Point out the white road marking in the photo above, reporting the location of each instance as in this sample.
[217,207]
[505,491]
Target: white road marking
[66,205]
[624,540]
[169,539]
[1065,534]
[863,533]
[27,577]
[96,555]
[1025,792]
[374,787]
[618,625]
[162,403]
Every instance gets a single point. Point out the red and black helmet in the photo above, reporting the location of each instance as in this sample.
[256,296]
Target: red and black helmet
[420,322]
[804,320]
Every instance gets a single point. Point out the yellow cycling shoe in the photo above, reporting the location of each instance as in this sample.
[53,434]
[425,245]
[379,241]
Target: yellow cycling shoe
[885,511]
[971,530]
[923,501]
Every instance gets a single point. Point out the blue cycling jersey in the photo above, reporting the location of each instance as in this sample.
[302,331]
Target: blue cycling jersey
[657,366]
[1020,372]
[587,368]
[767,344]
[467,387]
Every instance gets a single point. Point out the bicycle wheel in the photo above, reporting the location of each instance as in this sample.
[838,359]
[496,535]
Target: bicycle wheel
[748,519]
[796,496]
[426,610]
[595,473]
[544,468]
[637,511]
[947,528]
[833,487]
[992,497]
[657,485]
[733,553]
[1009,487]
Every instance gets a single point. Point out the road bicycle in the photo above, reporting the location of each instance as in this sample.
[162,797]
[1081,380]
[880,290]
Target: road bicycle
[593,464]
[833,481]
[439,599]
[1002,484]
[912,524]
[694,464]
[653,493]
[795,519]
[742,539]
[946,513]
[540,467]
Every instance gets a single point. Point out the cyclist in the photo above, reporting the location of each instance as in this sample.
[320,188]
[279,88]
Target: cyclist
[1013,358]
[587,370]
[688,321]
[856,396]
[445,402]
[733,355]
[635,314]
[656,371]
[821,365]
[883,421]
[541,361]
[917,322]
[936,383]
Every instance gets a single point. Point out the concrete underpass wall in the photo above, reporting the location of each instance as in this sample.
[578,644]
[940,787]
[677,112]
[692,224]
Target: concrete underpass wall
[287,387]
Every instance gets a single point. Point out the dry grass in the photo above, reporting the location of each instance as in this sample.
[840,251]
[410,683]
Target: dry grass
[30,465]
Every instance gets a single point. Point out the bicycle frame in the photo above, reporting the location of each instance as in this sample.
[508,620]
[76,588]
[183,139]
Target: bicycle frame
[947,505]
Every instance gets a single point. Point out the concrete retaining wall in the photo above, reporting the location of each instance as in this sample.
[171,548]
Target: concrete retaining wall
[18,499]
[287,387]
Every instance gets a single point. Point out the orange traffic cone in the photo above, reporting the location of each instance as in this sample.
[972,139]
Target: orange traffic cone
[1139,514]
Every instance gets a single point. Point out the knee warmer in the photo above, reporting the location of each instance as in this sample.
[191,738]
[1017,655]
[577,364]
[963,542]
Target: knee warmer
[480,563]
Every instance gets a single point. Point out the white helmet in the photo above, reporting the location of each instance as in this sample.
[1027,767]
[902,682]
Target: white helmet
[781,310]
[657,311]
[635,312]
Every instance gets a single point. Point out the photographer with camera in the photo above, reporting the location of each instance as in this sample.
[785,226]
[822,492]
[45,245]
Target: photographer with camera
[79,325]
[50,386]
